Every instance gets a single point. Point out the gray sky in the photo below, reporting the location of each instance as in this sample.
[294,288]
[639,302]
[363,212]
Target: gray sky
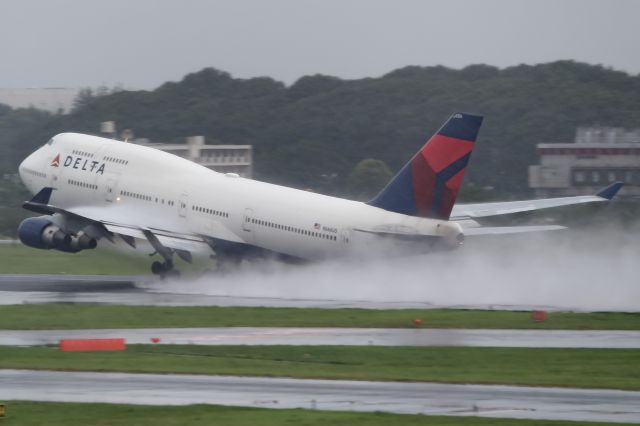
[142,43]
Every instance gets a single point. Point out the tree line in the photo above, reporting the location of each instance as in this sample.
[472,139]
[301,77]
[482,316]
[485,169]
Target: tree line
[316,132]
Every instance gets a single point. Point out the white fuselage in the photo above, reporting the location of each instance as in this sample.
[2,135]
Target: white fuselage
[126,183]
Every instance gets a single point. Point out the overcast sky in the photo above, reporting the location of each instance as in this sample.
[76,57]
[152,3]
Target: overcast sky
[142,43]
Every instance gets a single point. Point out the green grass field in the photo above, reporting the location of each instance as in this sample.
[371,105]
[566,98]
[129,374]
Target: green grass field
[587,368]
[63,316]
[67,414]
[19,259]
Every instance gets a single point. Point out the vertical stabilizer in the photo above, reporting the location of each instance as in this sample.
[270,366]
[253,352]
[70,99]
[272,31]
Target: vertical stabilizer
[427,186]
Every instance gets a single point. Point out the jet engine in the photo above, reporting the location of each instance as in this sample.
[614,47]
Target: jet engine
[40,232]
[452,235]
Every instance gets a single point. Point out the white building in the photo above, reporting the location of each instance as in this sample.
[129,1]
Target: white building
[236,159]
[598,156]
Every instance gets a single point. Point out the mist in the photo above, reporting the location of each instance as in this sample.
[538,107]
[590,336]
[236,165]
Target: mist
[581,270]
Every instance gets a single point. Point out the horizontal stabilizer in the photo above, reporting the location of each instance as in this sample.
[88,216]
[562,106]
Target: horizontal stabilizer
[465,211]
[472,232]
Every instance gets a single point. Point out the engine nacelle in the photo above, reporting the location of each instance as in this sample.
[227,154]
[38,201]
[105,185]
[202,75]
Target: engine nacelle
[40,232]
[82,242]
[452,235]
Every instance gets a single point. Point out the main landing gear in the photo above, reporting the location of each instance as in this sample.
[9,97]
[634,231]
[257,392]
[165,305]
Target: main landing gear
[164,269]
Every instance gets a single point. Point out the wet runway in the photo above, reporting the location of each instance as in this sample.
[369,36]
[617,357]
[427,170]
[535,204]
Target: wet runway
[17,289]
[148,291]
[338,336]
[396,397]
[424,398]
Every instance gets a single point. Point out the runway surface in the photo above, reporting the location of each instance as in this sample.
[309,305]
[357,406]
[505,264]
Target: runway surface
[148,291]
[338,336]
[396,397]
[424,398]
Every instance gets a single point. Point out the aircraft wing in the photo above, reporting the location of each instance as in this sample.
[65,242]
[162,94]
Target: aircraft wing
[172,240]
[121,223]
[466,211]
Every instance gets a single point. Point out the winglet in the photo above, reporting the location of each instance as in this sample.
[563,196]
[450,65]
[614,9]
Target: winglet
[610,191]
[43,196]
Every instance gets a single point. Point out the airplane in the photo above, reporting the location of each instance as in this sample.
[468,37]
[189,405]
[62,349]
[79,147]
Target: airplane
[90,189]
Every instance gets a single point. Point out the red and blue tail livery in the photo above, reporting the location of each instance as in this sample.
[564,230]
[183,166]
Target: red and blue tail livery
[427,186]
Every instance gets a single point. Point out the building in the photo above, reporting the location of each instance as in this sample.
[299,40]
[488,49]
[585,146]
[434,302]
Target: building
[236,159]
[597,157]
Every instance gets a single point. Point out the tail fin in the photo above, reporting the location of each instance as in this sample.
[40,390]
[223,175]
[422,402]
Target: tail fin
[427,186]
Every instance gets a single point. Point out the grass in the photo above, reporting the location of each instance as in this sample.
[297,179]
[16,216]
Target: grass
[19,259]
[584,368]
[76,414]
[64,316]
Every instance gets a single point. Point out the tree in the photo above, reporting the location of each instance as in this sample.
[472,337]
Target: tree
[368,177]
[83,98]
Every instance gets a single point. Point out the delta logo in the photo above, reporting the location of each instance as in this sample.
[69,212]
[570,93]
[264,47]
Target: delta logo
[80,163]
[56,161]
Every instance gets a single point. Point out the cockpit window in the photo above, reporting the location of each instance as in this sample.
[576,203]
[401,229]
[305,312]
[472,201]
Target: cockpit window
[50,142]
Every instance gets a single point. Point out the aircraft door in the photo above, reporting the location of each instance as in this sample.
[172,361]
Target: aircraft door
[182,205]
[246,220]
[110,190]
[344,236]
[247,226]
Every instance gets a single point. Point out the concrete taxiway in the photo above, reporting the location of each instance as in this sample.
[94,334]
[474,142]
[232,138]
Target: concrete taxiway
[396,397]
[337,336]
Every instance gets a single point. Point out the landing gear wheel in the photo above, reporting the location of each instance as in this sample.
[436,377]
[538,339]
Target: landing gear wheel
[164,269]
[157,268]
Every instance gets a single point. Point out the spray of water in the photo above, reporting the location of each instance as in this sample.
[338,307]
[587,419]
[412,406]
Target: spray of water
[588,270]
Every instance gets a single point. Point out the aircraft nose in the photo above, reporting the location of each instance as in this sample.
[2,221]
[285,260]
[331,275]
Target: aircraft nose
[26,170]
[21,168]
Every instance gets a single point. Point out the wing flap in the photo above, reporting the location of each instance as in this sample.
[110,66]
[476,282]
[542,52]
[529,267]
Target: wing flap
[168,239]
[183,244]
[125,230]
[175,241]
